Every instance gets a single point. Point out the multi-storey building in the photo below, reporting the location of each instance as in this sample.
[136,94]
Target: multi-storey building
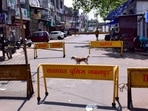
[68,16]
[3,14]
[37,15]
[75,22]
[39,12]
[13,17]
[58,14]
[83,20]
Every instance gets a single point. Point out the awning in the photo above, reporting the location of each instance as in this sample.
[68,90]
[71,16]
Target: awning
[40,8]
[118,11]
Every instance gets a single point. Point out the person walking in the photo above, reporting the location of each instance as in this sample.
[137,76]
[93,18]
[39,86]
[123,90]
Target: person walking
[97,34]
[143,41]
[112,34]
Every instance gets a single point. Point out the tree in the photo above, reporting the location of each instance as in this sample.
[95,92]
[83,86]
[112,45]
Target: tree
[101,7]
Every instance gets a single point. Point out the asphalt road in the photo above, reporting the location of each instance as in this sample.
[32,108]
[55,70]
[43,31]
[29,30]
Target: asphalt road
[74,94]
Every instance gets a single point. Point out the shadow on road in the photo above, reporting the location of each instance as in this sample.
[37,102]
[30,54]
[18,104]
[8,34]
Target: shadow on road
[116,54]
[133,55]
[139,109]
[77,105]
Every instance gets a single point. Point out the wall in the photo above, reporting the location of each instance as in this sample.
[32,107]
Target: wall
[142,7]
[128,30]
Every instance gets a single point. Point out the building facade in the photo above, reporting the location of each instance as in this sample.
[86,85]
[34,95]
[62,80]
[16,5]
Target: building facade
[39,15]
[36,15]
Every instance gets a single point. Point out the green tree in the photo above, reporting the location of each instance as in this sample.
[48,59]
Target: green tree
[100,7]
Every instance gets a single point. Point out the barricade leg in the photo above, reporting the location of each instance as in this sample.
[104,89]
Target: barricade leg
[117,81]
[115,91]
[121,51]
[38,86]
[89,51]
[129,97]
[35,53]
[114,94]
[64,50]
[45,84]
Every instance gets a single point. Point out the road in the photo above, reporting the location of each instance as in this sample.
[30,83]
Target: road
[74,94]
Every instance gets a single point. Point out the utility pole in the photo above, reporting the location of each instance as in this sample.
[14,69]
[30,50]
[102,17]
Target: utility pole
[22,32]
[74,24]
[2,34]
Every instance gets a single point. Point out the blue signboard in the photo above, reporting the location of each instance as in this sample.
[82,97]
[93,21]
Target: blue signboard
[2,18]
[146,16]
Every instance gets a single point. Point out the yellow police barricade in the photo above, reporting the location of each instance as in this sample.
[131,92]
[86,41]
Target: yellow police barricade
[92,72]
[17,72]
[49,46]
[106,44]
[137,78]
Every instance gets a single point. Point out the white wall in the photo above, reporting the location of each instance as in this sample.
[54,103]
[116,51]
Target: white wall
[142,7]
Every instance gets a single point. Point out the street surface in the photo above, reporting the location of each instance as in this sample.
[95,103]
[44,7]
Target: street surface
[74,94]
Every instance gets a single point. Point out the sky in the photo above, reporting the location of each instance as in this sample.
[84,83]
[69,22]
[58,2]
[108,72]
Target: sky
[68,3]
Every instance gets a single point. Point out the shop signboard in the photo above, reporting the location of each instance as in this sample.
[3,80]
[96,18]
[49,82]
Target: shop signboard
[2,18]
[146,16]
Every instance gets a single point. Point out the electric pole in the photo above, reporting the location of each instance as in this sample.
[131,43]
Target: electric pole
[22,31]
[2,33]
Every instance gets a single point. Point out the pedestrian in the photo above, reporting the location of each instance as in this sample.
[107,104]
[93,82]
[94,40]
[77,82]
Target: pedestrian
[116,33]
[143,41]
[112,34]
[137,43]
[97,33]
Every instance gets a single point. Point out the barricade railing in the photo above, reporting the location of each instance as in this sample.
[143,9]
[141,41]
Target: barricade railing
[49,46]
[137,78]
[17,72]
[106,44]
[91,72]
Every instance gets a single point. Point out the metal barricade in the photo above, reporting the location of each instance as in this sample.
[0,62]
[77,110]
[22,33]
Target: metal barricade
[17,72]
[106,44]
[91,72]
[137,78]
[49,46]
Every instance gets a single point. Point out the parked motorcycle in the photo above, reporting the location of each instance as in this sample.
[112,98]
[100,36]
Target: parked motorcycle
[19,43]
[7,47]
